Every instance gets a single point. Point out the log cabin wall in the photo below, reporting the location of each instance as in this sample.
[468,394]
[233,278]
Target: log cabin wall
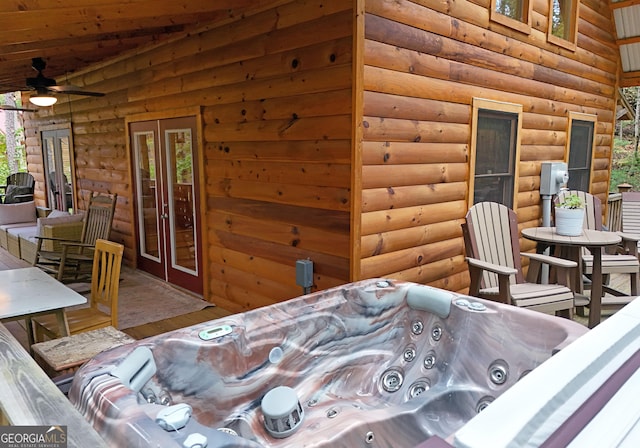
[274,87]
[424,62]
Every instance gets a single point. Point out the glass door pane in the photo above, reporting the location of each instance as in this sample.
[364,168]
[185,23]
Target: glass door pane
[165,158]
[179,145]
[49,166]
[58,165]
[64,181]
[146,178]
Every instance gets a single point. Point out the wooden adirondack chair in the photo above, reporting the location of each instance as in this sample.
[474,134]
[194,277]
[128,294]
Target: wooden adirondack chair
[19,188]
[625,261]
[631,213]
[73,263]
[492,245]
[105,278]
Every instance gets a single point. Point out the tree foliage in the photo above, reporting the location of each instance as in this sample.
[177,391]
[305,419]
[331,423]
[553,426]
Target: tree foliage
[13,156]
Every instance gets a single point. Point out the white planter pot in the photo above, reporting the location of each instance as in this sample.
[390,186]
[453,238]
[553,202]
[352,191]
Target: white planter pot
[569,221]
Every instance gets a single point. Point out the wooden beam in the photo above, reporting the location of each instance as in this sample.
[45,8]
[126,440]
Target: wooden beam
[32,12]
[623,4]
[630,79]
[34,33]
[628,40]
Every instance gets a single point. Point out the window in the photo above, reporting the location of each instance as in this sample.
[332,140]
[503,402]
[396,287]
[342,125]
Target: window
[59,173]
[581,141]
[563,23]
[495,149]
[515,14]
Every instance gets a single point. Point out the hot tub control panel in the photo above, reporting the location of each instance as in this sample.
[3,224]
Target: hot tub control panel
[215,332]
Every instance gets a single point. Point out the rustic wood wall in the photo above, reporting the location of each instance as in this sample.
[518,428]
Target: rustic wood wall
[424,62]
[275,86]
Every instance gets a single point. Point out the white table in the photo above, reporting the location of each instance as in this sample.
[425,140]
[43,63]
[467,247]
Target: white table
[29,292]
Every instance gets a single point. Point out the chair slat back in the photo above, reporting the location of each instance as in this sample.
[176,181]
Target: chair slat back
[105,277]
[492,236]
[98,218]
[614,212]
[631,212]
[21,179]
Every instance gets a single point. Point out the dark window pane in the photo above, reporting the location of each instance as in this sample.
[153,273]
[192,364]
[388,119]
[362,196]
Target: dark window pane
[495,189]
[495,149]
[495,139]
[580,154]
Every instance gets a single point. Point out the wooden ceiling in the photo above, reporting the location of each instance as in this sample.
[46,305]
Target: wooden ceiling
[72,34]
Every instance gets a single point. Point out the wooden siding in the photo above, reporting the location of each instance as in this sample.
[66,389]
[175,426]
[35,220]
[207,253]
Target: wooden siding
[424,62]
[274,87]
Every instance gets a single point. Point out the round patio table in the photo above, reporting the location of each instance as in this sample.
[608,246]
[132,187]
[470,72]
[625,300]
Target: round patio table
[594,241]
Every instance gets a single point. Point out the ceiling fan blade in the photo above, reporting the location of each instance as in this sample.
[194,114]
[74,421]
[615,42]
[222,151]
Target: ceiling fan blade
[15,108]
[73,90]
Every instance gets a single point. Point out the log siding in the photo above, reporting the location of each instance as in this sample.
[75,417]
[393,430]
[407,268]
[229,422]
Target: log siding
[425,62]
[274,86]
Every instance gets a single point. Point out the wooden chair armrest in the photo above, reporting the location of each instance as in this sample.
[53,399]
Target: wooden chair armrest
[629,236]
[550,260]
[495,268]
[504,274]
[76,244]
[629,244]
[58,242]
[565,269]
[53,238]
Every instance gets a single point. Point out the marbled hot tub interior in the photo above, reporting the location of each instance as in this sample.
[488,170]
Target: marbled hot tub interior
[372,363]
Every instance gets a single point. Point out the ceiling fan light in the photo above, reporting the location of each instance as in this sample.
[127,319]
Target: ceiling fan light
[43,100]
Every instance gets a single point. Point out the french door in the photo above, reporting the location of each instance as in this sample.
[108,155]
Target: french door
[58,164]
[167,200]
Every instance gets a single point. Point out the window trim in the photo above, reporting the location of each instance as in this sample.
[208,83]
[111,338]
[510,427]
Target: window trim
[495,106]
[568,44]
[579,116]
[523,27]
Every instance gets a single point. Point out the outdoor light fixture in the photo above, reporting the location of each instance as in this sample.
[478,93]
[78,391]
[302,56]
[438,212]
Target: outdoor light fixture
[43,99]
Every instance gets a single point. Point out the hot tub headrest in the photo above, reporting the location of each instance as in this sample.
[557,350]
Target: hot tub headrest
[136,369]
[433,300]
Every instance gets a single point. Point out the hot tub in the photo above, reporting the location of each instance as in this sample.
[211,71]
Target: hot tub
[374,363]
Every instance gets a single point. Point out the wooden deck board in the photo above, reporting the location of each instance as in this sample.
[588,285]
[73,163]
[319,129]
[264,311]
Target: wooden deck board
[185,320]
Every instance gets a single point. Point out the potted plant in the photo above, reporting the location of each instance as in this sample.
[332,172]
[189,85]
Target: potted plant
[570,215]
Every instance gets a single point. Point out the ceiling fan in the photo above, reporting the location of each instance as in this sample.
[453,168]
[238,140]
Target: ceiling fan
[45,88]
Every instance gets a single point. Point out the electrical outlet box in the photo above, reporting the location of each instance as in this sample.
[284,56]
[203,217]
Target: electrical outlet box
[553,175]
[304,273]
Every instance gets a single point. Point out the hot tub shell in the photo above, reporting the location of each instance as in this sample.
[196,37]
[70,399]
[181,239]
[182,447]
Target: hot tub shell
[373,363]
